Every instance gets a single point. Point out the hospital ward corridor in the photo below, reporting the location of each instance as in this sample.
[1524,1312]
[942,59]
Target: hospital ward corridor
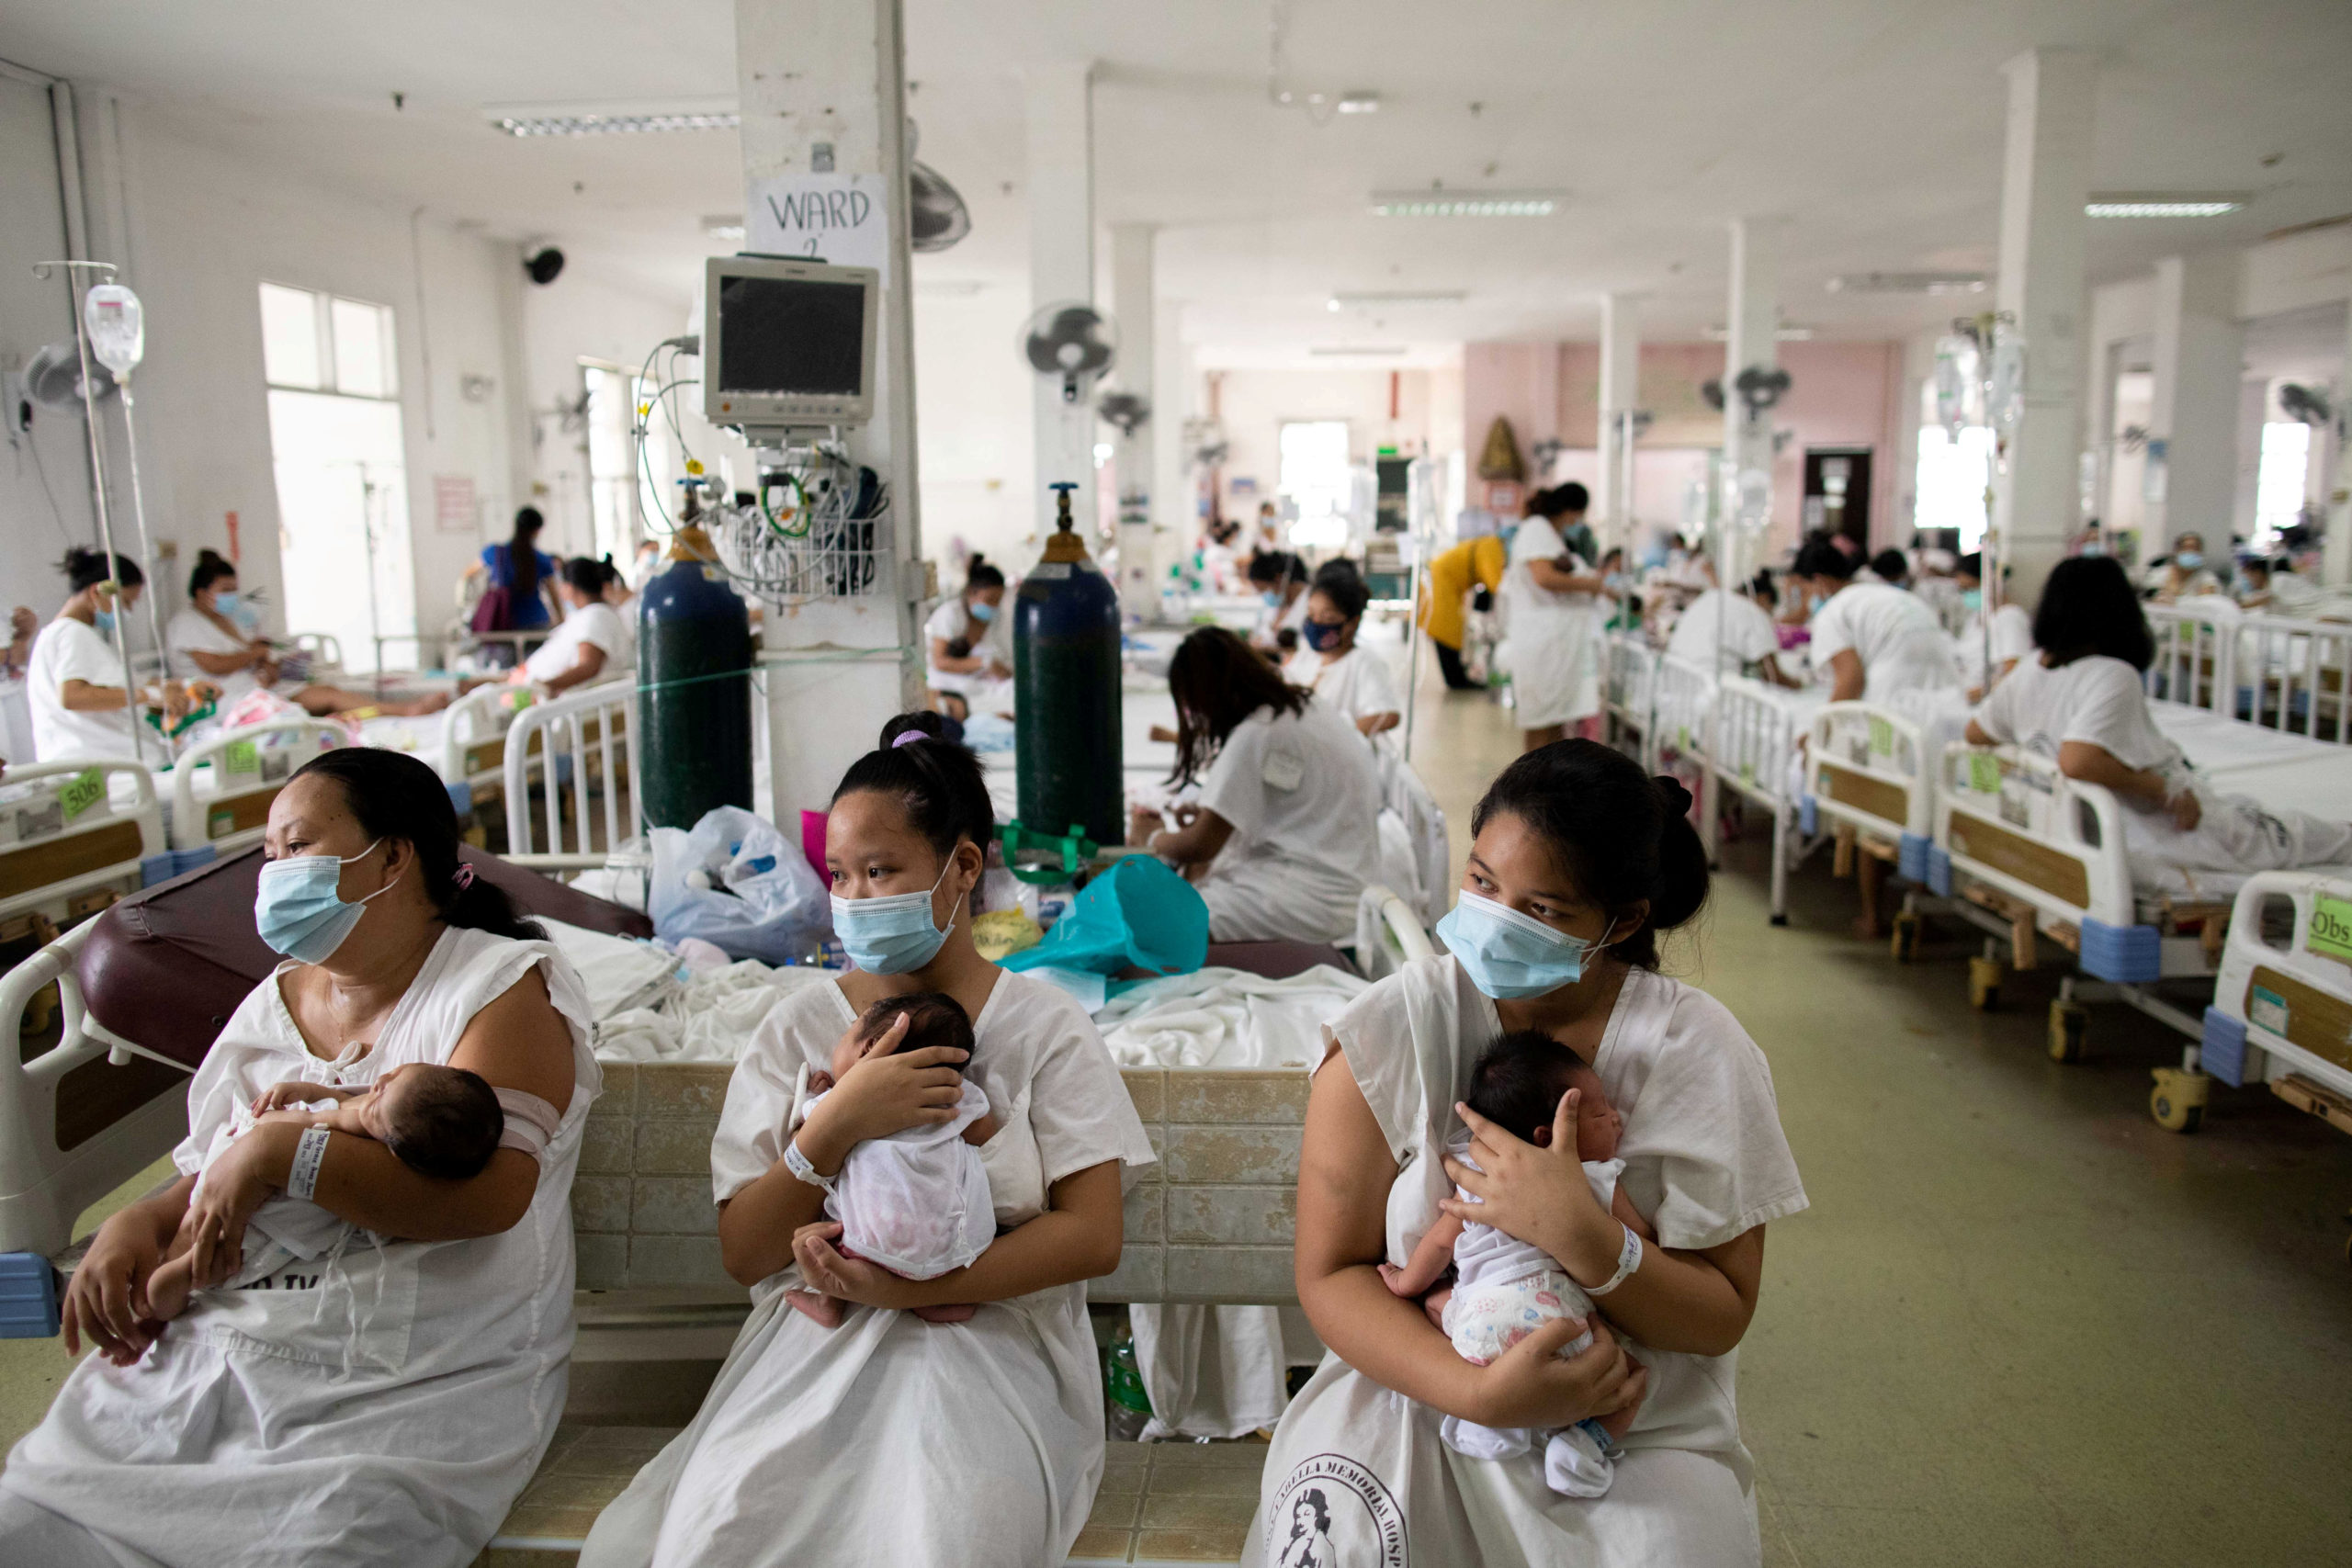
[1249,783]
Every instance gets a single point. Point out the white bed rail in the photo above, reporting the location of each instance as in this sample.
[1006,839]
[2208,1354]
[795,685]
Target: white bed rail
[65,839]
[474,737]
[2283,1005]
[2277,671]
[245,769]
[583,749]
[2010,819]
[1632,690]
[1867,767]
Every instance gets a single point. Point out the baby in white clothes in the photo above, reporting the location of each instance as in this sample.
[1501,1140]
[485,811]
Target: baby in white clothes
[1505,1288]
[916,1202]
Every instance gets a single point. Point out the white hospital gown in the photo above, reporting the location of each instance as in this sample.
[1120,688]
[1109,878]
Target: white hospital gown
[890,1439]
[1357,685]
[1704,1158]
[283,1230]
[1551,647]
[1901,644]
[1302,792]
[385,1417]
[917,1202]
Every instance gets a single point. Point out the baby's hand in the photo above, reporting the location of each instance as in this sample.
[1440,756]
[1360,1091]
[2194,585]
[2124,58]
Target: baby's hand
[289,1096]
[819,1082]
[1393,1277]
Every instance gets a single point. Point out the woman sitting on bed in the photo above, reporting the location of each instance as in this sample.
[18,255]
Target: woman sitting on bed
[2080,700]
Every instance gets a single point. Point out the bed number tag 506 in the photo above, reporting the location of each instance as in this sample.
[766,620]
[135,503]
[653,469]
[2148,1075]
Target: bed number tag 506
[81,791]
[2331,928]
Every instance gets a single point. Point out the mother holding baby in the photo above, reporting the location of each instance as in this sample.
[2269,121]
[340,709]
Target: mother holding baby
[384,1404]
[1579,862]
[925,1440]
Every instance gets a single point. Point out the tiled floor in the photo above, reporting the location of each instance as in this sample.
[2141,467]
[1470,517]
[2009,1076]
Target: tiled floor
[586,1468]
[1172,1503]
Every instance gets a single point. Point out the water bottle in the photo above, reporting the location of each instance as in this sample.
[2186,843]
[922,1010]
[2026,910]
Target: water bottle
[1126,1406]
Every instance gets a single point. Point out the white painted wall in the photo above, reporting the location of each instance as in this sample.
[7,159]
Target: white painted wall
[974,418]
[1253,406]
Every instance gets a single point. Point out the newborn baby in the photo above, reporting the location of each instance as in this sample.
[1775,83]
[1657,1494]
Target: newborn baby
[1504,1289]
[440,1121]
[916,1202]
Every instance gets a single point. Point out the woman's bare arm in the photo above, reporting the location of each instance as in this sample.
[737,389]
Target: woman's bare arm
[586,667]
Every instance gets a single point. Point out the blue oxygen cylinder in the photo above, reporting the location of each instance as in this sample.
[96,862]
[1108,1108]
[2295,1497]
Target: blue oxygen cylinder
[1066,686]
[694,676]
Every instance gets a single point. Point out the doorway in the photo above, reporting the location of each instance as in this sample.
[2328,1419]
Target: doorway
[1838,492]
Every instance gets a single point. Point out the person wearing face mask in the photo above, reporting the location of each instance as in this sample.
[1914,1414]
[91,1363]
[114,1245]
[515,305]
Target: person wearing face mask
[73,676]
[1578,862]
[2182,574]
[1284,834]
[590,643]
[2010,634]
[216,640]
[1280,580]
[1352,680]
[909,1431]
[964,646]
[1551,623]
[384,1406]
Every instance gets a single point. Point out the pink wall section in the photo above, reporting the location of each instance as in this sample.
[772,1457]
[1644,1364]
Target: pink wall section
[1843,394]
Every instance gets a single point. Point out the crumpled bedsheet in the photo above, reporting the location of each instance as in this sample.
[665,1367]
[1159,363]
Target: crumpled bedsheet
[1227,1018]
[708,1019]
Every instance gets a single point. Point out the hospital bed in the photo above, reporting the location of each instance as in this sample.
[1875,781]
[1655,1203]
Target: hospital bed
[2276,671]
[2281,1013]
[1629,693]
[578,751]
[221,790]
[2050,853]
[1749,738]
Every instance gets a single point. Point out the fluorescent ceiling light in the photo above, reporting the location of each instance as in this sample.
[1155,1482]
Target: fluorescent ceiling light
[1335,349]
[1467,203]
[1359,103]
[1783,334]
[723,226]
[1911,283]
[1378,300]
[2164,204]
[612,119]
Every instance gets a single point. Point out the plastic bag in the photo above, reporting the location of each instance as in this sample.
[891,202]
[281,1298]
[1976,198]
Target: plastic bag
[738,884]
[1138,915]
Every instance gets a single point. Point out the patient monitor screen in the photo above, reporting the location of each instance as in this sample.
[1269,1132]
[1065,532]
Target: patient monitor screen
[794,337]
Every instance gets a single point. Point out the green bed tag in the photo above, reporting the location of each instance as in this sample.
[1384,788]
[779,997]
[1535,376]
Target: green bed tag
[2331,930]
[1882,736]
[1984,773]
[81,791]
[242,757]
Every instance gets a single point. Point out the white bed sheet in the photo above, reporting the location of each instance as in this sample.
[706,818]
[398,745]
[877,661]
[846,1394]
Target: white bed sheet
[1227,1018]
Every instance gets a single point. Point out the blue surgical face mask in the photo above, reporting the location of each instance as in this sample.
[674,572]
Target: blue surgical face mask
[2189,560]
[104,621]
[982,611]
[1972,598]
[297,910]
[1322,635]
[1814,602]
[226,602]
[1271,600]
[1510,956]
[893,934]
[2094,549]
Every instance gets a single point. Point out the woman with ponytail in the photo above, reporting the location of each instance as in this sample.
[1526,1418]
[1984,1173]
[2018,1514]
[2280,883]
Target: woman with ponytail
[1578,863]
[382,1407]
[891,1437]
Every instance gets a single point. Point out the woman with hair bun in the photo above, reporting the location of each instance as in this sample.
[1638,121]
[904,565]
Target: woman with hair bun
[891,1437]
[1579,861]
[216,639]
[74,675]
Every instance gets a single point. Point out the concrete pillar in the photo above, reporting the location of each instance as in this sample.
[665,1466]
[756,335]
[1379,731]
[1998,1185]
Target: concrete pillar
[1621,361]
[2198,363]
[822,89]
[1175,398]
[1752,342]
[2045,179]
[2336,559]
[1059,102]
[1137,311]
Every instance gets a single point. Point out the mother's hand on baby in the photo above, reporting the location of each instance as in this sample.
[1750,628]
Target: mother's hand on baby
[1536,1195]
[851,1279]
[1530,1385]
[881,1094]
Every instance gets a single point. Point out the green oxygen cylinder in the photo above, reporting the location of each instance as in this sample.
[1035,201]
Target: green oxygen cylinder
[1066,691]
[694,677]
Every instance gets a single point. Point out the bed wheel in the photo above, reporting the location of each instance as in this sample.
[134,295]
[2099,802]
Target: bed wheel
[1984,983]
[1904,943]
[1779,919]
[2177,1102]
[2068,1023]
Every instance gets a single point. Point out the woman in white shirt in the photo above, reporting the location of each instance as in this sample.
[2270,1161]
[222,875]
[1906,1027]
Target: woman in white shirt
[1578,861]
[587,646]
[964,665]
[1284,835]
[1280,579]
[74,677]
[1872,639]
[1736,626]
[2008,635]
[1342,676]
[2183,574]
[1552,624]
[2080,701]
[208,643]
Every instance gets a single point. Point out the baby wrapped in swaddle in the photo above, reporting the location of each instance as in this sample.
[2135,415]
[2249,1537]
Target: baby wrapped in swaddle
[916,1202]
[1505,1288]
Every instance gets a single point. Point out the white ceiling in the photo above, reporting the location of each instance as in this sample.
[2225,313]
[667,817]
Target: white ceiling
[1873,127]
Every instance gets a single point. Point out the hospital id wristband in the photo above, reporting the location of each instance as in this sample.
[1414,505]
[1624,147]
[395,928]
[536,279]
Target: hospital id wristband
[310,1155]
[802,1171]
[1629,1258]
